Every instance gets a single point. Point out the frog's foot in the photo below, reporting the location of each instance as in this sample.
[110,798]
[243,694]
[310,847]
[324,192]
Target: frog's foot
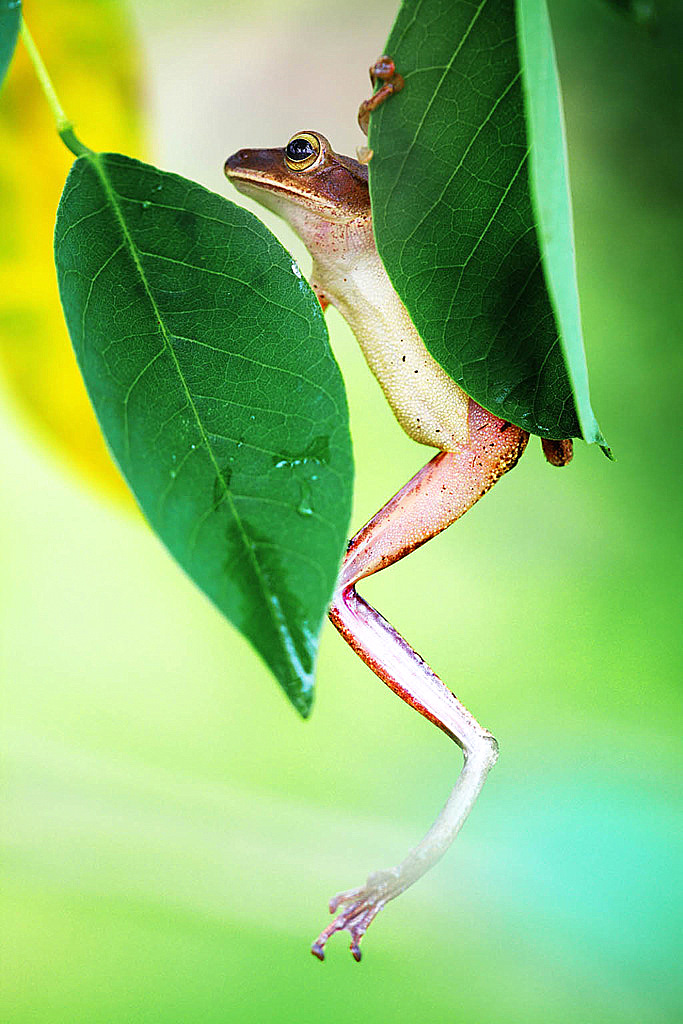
[359,909]
[383,70]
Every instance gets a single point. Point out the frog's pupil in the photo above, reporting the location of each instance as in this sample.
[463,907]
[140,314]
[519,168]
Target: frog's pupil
[299,149]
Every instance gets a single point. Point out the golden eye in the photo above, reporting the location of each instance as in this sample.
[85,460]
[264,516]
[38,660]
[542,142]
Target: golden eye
[303,151]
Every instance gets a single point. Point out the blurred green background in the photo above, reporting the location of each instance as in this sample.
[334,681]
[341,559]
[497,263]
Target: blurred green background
[171,830]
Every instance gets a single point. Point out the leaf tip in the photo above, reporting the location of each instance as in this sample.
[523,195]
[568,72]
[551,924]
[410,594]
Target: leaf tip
[303,703]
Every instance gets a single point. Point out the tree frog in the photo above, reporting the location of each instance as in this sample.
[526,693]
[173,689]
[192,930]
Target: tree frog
[324,197]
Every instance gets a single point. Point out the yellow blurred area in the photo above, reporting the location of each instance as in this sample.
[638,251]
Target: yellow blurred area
[87,47]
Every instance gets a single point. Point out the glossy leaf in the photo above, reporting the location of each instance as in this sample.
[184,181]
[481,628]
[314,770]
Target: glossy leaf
[90,49]
[206,358]
[455,219]
[10,21]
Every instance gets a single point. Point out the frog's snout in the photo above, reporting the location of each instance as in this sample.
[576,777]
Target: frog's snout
[237,160]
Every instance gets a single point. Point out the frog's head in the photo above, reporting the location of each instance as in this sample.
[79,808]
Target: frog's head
[307,183]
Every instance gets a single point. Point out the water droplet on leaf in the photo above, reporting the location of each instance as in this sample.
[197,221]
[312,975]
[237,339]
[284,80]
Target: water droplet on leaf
[305,506]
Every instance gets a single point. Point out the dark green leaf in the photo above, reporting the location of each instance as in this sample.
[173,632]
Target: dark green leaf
[643,12]
[454,216]
[207,361]
[10,20]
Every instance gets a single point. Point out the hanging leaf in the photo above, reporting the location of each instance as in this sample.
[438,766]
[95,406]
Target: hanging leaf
[206,358]
[454,213]
[10,20]
[89,47]
[549,180]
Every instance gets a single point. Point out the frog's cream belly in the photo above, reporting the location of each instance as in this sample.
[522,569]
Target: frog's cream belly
[428,404]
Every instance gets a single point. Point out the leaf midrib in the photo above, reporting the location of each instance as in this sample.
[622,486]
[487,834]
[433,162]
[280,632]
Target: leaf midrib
[95,161]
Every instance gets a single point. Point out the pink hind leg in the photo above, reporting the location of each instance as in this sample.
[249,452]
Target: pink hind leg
[435,497]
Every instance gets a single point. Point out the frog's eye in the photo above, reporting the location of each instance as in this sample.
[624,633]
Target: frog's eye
[303,151]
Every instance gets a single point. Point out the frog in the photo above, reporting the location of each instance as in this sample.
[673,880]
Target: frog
[324,197]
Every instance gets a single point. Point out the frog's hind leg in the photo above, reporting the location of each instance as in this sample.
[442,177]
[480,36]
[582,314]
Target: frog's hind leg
[435,497]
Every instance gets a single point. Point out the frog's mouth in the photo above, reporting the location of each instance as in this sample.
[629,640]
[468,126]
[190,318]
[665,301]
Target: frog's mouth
[254,182]
[263,175]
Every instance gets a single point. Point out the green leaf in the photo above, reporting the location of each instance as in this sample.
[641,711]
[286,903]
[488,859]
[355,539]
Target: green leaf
[10,21]
[454,214]
[643,12]
[206,358]
[551,197]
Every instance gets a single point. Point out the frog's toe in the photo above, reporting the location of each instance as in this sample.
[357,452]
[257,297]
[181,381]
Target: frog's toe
[357,909]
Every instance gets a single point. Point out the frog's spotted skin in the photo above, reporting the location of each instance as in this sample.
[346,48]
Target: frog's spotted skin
[428,404]
[349,274]
[325,199]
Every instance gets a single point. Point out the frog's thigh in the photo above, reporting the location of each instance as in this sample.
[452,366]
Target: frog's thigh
[436,496]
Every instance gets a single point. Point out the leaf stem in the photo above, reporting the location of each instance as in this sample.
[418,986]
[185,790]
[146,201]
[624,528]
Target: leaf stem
[65,128]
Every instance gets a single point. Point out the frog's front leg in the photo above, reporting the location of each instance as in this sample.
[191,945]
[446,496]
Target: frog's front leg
[383,70]
[435,497]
